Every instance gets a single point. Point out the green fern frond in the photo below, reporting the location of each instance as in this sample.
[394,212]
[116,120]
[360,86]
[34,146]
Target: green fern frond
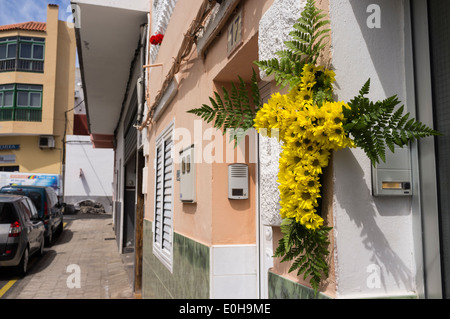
[234,110]
[308,249]
[377,125]
[307,41]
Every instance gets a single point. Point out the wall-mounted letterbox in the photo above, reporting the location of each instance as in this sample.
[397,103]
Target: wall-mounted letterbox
[393,177]
[187,175]
[238,181]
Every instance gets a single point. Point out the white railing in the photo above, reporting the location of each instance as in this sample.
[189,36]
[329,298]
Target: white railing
[161,13]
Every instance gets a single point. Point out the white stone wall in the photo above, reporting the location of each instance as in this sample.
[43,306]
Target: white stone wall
[274,29]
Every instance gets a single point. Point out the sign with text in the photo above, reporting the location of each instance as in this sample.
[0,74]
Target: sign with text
[9,147]
[49,180]
[235,32]
[7,159]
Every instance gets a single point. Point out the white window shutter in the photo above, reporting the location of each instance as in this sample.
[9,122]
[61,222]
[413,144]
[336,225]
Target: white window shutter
[164,175]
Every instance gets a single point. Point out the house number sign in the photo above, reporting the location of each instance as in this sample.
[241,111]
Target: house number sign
[235,32]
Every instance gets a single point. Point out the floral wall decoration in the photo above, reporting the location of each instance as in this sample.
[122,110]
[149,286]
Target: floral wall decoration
[157,39]
[310,125]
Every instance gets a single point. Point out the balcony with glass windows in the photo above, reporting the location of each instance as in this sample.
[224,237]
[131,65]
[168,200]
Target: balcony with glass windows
[24,54]
[20,102]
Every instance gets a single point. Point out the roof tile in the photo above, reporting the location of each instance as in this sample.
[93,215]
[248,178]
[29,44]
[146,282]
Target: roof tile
[27,26]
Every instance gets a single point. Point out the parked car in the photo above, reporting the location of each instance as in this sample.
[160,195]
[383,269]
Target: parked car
[21,232]
[47,204]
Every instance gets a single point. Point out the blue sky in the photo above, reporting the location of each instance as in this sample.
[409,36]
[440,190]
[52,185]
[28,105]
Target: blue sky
[17,11]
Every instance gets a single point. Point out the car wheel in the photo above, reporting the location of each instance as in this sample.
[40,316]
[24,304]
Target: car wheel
[23,265]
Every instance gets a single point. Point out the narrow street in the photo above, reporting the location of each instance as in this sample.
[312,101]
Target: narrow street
[82,263]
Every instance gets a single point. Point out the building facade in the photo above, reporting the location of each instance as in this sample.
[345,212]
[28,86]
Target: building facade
[37,75]
[88,173]
[194,237]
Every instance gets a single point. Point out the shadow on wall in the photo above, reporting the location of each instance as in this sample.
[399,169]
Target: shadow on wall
[357,203]
[87,189]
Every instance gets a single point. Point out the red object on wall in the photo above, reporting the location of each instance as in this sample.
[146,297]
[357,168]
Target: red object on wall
[156,39]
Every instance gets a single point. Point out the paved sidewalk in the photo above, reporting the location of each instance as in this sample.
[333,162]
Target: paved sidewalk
[88,242]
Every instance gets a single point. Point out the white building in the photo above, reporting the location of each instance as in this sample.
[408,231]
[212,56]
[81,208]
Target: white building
[89,171]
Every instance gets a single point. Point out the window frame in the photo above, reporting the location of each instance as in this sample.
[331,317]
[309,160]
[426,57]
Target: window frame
[16,112]
[163,254]
[7,43]
[16,89]
[2,96]
[28,90]
[34,42]
[17,63]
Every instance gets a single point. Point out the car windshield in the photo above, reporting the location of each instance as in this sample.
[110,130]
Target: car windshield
[7,215]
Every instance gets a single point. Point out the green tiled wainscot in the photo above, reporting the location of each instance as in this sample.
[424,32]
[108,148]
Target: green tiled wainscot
[191,269]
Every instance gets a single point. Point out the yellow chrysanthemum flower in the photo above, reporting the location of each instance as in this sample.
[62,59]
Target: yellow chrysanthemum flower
[330,74]
[311,221]
[308,81]
[306,200]
[337,137]
[309,132]
[309,68]
[305,97]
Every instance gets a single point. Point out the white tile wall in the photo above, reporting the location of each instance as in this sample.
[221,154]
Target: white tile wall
[234,272]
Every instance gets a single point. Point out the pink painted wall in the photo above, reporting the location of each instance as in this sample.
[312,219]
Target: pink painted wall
[214,219]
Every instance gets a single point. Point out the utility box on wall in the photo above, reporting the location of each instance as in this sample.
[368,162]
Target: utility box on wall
[187,175]
[238,181]
[394,177]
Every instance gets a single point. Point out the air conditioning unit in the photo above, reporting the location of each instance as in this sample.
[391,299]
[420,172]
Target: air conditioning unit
[46,141]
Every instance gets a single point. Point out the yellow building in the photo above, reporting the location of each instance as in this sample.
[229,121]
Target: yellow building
[37,80]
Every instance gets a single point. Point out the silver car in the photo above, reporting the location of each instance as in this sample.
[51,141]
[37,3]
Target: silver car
[21,232]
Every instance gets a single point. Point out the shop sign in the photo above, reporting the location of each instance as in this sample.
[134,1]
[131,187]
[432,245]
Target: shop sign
[9,147]
[48,180]
[7,159]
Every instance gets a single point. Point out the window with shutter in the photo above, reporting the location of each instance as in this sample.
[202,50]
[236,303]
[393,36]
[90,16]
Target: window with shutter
[163,221]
